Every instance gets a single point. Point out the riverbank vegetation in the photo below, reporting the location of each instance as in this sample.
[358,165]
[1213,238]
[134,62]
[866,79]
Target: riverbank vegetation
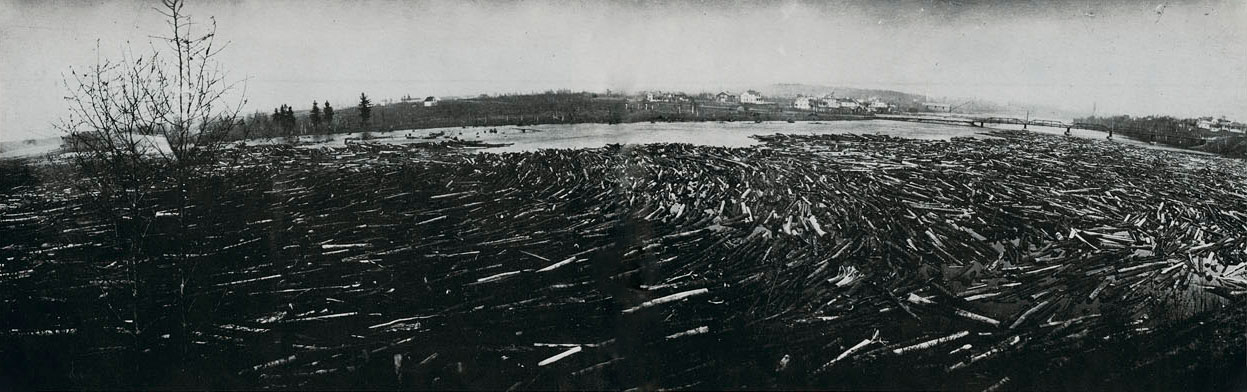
[1184,132]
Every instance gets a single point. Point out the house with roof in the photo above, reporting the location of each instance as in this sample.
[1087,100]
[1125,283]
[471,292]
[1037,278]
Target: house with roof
[804,103]
[1213,124]
[751,96]
[660,97]
[821,103]
[725,97]
[430,101]
[1204,123]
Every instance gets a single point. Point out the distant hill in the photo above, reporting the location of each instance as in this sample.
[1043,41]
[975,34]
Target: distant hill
[794,89]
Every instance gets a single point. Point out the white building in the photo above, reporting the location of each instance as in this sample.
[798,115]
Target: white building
[826,102]
[430,101]
[1214,124]
[1205,124]
[660,97]
[803,103]
[751,97]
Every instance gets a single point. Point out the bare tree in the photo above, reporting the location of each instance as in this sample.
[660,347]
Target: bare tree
[144,123]
[168,106]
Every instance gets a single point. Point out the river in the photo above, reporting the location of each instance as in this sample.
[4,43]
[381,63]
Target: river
[725,134]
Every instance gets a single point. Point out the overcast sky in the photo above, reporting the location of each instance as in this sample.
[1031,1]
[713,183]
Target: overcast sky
[1176,58]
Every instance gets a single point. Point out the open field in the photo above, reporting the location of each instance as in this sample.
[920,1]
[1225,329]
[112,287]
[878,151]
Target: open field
[1020,261]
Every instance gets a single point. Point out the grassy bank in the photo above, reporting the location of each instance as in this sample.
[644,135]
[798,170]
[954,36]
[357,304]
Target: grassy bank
[1022,261]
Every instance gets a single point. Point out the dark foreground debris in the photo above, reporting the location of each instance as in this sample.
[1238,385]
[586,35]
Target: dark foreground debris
[832,262]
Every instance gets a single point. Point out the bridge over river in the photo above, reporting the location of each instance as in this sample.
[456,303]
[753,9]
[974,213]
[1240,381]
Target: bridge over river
[1148,135]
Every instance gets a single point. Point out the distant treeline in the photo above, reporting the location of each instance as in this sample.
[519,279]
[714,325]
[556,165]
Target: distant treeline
[484,110]
[551,107]
[1151,123]
[1182,132]
[1153,129]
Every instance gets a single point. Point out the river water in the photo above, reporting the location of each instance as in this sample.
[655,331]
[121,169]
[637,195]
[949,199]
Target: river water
[724,134]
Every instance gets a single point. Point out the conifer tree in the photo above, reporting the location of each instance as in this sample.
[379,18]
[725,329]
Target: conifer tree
[315,116]
[365,109]
[328,113]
